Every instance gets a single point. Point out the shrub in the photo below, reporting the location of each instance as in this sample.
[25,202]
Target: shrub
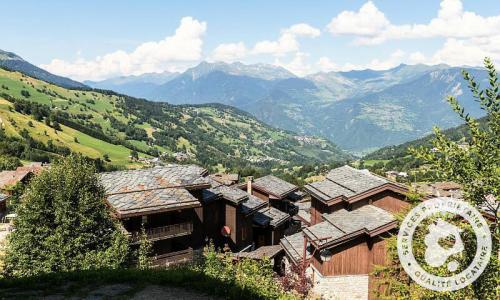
[63,224]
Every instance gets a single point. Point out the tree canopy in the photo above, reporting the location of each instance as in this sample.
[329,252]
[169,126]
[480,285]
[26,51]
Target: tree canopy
[63,224]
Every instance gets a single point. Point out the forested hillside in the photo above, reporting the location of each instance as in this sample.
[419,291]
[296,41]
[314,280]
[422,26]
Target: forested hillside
[41,120]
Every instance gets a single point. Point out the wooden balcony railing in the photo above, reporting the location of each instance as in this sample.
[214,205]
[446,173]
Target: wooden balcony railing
[173,258]
[164,232]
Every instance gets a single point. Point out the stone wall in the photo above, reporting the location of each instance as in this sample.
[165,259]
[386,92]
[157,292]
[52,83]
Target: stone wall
[341,287]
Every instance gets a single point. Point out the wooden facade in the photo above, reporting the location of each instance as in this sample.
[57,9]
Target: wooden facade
[240,225]
[386,199]
[355,257]
[268,236]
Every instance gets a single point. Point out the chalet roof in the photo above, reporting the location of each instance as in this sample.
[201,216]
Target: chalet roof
[270,216]
[249,203]
[345,182]
[8,178]
[261,252]
[150,201]
[274,186]
[169,176]
[304,211]
[226,179]
[231,194]
[342,225]
[35,167]
[252,204]
[294,246]
[209,195]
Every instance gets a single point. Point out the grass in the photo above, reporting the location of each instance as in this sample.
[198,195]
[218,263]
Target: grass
[183,277]
[13,122]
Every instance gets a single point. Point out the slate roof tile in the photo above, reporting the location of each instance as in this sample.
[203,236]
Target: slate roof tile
[343,223]
[270,216]
[274,186]
[346,182]
[153,178]
[152,200]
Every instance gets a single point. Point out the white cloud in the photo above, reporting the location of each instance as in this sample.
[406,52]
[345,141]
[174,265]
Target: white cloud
[287,42]
[297,65]
[325,64]
[184,46]
[229,52]
[371,26]
[368,21]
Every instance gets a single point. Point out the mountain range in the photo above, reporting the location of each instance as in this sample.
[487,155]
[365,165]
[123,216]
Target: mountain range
[12,61]
[358,110]
[40,120]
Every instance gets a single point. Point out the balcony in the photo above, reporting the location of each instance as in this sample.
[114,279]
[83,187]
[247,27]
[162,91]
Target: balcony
[164,232]
[173,258]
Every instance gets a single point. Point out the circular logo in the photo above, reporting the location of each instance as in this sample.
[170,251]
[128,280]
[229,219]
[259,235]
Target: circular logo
[437,255]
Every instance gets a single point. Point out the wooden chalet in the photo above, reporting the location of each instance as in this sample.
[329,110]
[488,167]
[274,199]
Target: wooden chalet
[236,210]
[275,191]
[350,188]
[350,215]
[166,201]
[247,222]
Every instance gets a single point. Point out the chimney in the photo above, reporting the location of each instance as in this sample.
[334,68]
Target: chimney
[249,184]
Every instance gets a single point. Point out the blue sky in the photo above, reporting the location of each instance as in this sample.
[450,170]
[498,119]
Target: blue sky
[102,39]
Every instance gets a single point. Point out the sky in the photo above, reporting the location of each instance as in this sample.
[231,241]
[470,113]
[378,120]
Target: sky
[95,40]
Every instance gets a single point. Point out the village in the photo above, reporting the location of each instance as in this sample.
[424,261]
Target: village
[334,229]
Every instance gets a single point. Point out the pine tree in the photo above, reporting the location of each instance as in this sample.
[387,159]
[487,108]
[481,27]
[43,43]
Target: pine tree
[63,224]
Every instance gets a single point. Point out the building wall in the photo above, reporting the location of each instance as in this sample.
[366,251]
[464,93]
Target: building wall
[318,208]
[353,258]
[349,259]
[230,221]
[260,195]
[345,287]
[390,201]
[213,220]
[241,227]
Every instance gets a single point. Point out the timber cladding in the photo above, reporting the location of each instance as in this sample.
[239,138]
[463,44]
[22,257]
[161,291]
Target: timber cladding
[353,258]
[230,218]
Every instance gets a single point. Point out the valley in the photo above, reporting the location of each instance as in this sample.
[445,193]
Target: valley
[360,111]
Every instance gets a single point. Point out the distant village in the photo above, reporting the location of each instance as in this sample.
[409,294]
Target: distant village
[335,228]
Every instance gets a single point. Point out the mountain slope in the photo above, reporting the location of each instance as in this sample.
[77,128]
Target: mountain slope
[399,113]
[359,110]
[11,61]
[104,124]
[456,134]
[136,86]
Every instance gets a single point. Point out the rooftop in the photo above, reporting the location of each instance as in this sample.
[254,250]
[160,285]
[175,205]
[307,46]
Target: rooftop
[343,225]
[226,179]
[346,182]
[270,216]
[8,178]
[274,186]
[152,190]
[261,252]
[151,201]
[169,176]
[304,211]
[294,246]
[252,204]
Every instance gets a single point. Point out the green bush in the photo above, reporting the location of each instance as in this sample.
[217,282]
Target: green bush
[63,224]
